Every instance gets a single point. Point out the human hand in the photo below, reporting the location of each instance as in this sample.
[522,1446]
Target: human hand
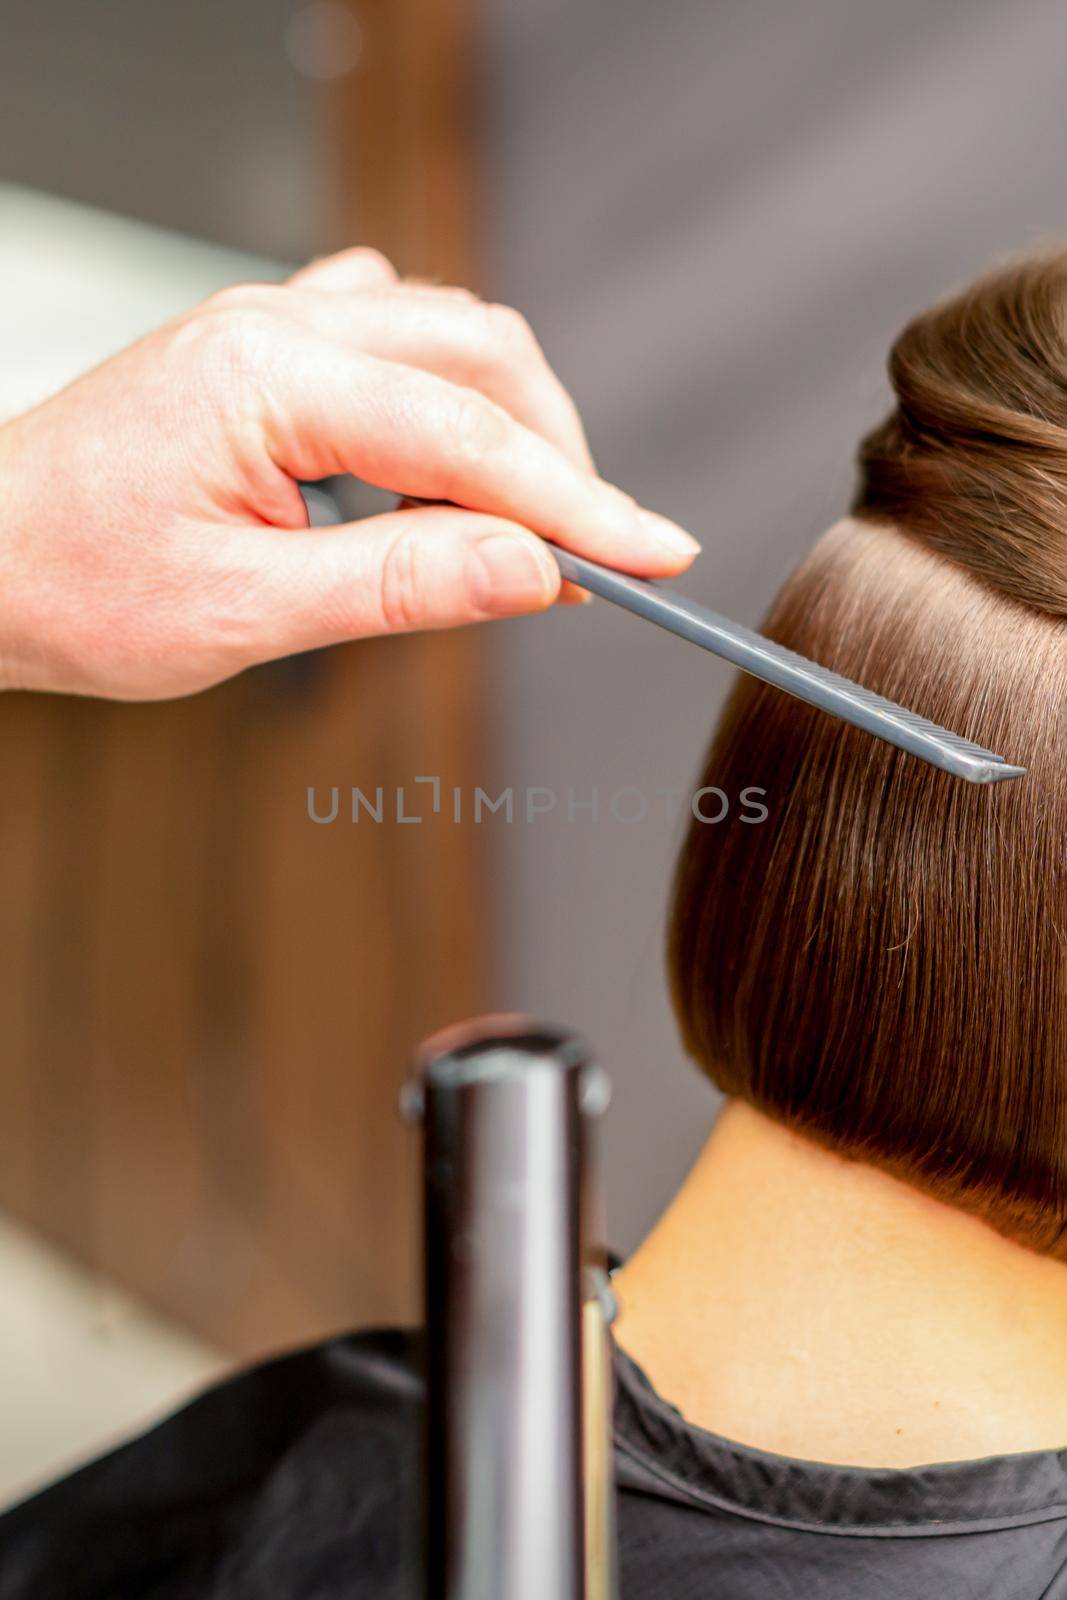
[153,539]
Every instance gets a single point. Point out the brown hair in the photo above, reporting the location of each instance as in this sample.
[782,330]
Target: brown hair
[880,964]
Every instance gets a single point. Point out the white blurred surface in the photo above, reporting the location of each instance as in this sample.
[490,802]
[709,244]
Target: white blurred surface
[78,284]
[83,1365]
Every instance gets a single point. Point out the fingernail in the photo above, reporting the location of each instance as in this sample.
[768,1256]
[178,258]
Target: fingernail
[506,572]
[668,533]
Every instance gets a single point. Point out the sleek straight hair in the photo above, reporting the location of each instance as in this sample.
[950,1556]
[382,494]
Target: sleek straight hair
[881,964]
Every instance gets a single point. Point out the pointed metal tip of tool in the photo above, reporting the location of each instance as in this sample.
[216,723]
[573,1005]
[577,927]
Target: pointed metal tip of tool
[1002,769]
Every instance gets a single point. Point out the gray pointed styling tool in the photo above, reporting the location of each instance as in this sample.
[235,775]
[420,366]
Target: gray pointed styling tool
[783,668]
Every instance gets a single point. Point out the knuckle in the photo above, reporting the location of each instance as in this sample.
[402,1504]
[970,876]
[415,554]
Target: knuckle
[510,330]
[239,297]
[442,294]
[508,345]
[442,291]
[403,590]
[239,331]
[366,257]
[231,298]
[479,429]
[358,267]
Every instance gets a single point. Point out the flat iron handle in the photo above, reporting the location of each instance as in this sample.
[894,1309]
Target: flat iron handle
[510,1254]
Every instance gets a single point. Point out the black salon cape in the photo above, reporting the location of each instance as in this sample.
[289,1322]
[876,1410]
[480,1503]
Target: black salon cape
[297,1481]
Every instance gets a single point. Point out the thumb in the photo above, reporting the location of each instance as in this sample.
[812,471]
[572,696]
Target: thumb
[435,567]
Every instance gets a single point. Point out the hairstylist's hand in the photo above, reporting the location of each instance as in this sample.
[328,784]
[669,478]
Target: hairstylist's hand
[152,537]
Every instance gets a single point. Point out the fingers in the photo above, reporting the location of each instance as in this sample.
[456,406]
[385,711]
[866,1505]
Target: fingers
[402,433]
[325,409]
[448,331]
[431,568]
[485,347]
[570,594]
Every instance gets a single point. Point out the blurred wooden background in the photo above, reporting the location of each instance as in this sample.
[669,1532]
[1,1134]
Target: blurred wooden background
[206,1000]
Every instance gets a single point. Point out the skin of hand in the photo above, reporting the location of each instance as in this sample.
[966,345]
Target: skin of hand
[153,540]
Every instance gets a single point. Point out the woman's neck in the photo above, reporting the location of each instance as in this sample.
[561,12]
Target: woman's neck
[815,1307]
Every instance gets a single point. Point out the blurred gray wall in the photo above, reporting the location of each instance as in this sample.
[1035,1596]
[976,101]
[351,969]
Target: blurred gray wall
[717,215]
[188,113]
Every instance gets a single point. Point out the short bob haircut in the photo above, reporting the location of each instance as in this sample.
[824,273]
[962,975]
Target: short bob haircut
[880,964]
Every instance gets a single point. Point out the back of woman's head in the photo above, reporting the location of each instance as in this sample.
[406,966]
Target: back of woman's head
[881,963]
